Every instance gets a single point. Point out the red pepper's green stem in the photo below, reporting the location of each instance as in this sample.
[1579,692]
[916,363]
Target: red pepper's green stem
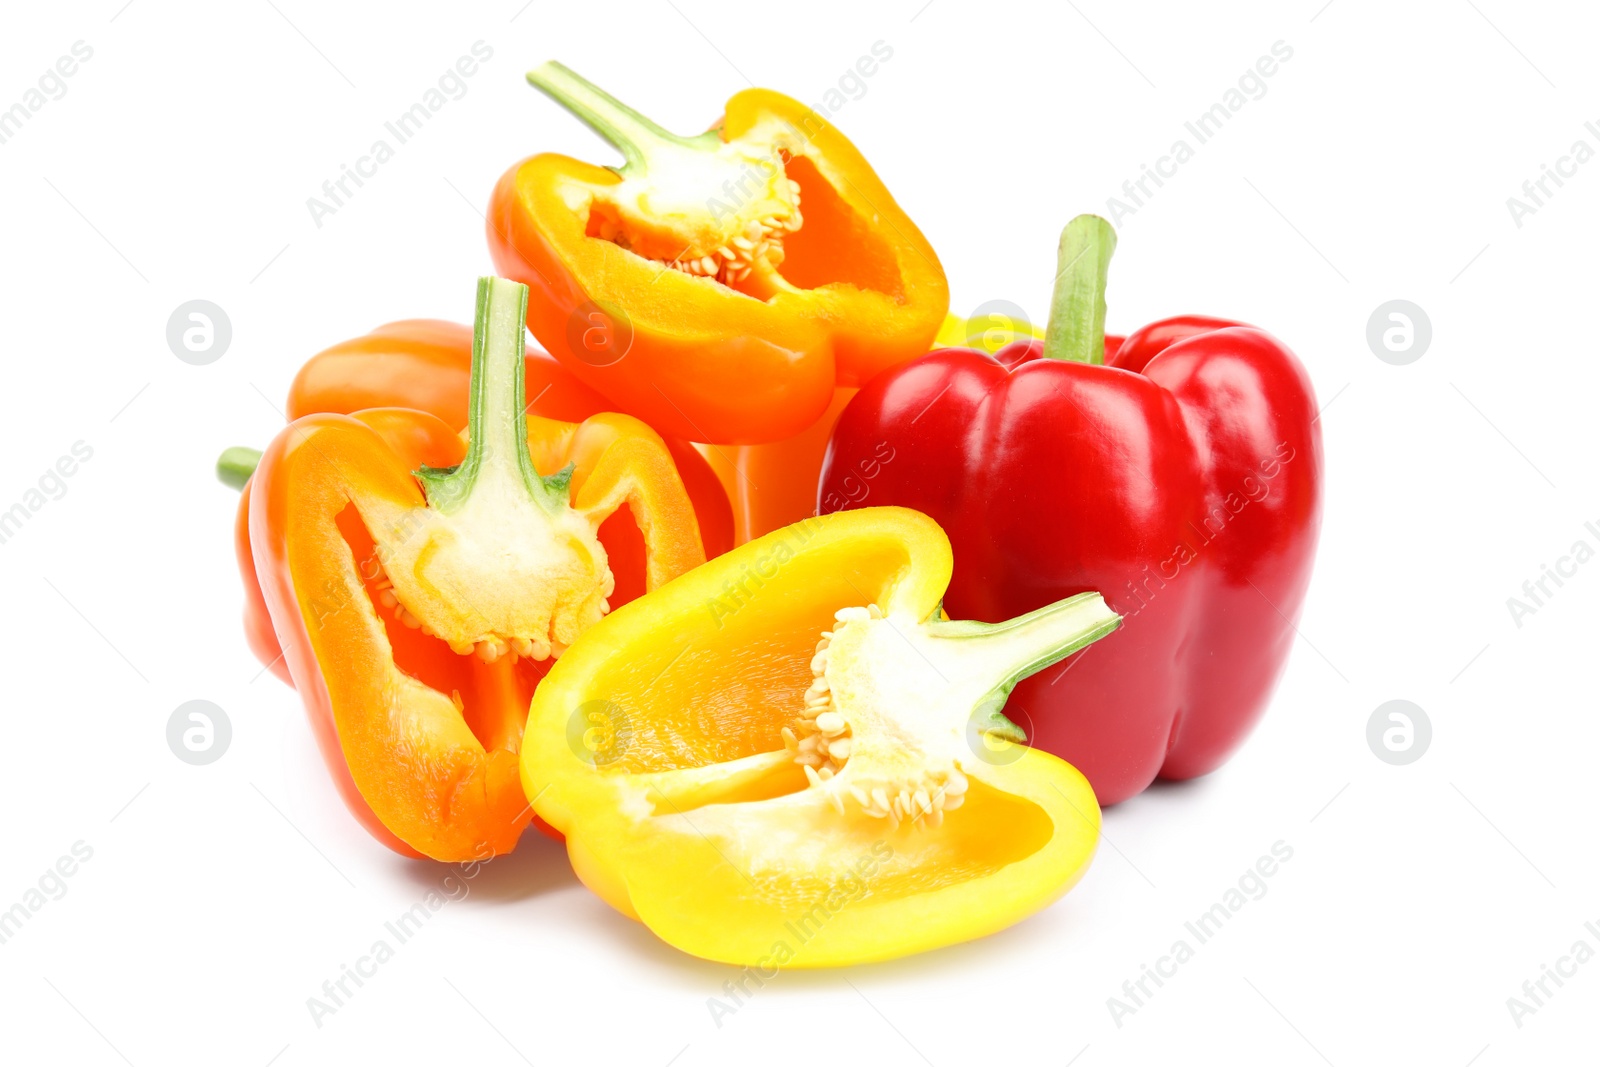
[628,131]
[497,424]
[1077,328]
[236,465]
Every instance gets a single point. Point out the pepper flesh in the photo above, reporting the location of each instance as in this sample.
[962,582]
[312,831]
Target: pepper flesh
[664,746]
[425,365]
[1182,478]
[691,267]
[416,627]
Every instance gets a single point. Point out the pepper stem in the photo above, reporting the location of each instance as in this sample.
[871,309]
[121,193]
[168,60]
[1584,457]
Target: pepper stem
[629,132]
[1012,650]
[497,425]
[236,465]
[1077,328]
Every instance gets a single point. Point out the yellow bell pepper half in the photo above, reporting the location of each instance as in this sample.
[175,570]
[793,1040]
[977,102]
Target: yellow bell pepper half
[788,758]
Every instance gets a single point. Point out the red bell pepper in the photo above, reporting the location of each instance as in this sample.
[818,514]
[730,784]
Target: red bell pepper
[1178,472]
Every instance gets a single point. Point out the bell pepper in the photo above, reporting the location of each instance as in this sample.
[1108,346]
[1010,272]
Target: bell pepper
[420,584]
[788,758]
[425,365]
[774,485]
[1178,471]
[688,287]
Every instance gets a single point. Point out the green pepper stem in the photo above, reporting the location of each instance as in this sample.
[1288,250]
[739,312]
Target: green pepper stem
[236,465]
[1077,328]
[1012,650]
[629,132]
[497,424]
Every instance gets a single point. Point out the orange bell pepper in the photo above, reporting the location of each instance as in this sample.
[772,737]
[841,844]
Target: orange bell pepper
[688,287]
[420,584]
[763,798]
[425,365]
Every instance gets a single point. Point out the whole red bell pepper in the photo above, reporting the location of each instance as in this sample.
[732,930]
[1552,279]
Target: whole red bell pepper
[1177,471]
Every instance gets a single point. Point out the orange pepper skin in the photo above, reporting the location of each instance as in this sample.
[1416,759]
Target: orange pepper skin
[426,364]
[775,485]
[859,290]
[444,786]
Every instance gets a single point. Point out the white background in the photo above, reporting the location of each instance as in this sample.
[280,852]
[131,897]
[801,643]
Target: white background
[1377,166]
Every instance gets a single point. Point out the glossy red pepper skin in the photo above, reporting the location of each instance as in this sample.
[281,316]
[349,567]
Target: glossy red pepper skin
[1181,479]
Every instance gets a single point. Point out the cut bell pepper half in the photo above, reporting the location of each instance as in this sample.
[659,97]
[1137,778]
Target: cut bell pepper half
[419,583]
[691,266]
[787,758]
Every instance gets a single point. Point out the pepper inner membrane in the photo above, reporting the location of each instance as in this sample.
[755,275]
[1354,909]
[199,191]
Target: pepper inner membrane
[493,697]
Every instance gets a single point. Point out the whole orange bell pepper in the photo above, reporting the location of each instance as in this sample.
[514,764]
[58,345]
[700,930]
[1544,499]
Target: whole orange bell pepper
[789,758]
[420,584]
[688,286]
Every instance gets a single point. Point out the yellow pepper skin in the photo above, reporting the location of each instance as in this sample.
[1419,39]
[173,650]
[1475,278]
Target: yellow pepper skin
[663,746]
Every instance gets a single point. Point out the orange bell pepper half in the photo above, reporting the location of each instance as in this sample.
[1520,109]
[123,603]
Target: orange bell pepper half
[420,584]
[788,758]
[425,365]
[688,286]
